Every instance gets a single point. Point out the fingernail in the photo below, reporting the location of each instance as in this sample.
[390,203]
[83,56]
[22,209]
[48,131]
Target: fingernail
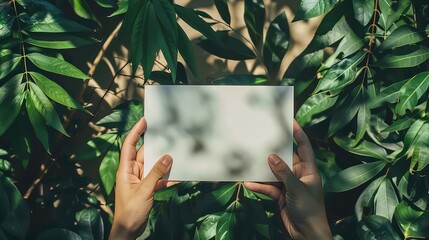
[166,160]
[274,159]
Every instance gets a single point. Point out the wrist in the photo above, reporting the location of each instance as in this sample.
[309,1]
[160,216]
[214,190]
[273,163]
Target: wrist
[318,230]
[119,232]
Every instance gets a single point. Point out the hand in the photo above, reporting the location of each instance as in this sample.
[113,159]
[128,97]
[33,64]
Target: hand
[133,194]
[300,196]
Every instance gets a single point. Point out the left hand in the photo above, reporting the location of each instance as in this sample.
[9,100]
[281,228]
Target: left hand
[133,193]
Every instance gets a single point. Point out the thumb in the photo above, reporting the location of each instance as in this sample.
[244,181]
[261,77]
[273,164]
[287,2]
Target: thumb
[158,171]
[282,172]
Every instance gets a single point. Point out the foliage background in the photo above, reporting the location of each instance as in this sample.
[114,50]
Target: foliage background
[361,90]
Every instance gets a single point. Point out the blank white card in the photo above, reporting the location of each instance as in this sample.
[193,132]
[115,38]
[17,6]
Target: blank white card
[218,133]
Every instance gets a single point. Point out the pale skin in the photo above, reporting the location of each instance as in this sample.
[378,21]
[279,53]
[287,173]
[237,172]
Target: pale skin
[299,193]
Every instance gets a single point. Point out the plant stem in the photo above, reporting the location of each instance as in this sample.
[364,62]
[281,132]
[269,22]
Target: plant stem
[24,55]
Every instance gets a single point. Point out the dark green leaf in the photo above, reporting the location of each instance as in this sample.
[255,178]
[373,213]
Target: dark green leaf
[58,233]
[311,8]
[225,225]
[231,48]
[408,56]
[55,91]
[386,200]
[276,43]
[81,8]
[218,198]
[309,112]
[96,147]
[363,116]
[56,65]
[222,8]
[6,24]
[376,227]
[108,167]
[411,92]
[124,116]
[391,11]
[421,149]
[364,9]
[254,17]
[48,22]
[8,63]
[137,34]
[353,176]
[241,79]
[11,88]
[9,111]
[412,222]
[366,199]
[59,42]
[400,124]
[186,50]
[165,194]
[45,108]
[350,44]
[404,35]
[38,123]
[389,94]
[207,229]
[90,224]
[364,148]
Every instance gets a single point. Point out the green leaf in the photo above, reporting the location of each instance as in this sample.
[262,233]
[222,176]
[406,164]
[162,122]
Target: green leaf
[391,11]
[217,199]
[421,149]
[350,44]
[108,167]
[58,233]
[96,147]
[310,111]
[137,35]
[408,56]
[11,88]
[412,222]
[231,48]
[363,9]
[363,116]
[82,9]
[241,79]
[353,176]
[411,92]
[276,43]
[55,92]
[313,8]
[402,36]
[207,229]
[346,110]
[90,224]
[254,17]
[50,23]
[364,148]
[124,116]
[38,123]
[8,63]
[6,25]
[225,225]
[55,65]
[14,212]
[222,8]
[376,227]
[186,50]
[386,200]
[45,108]
[400,124]
[9,110]
[364,204]
[389,94]
[341,74]
[59,42]
[165,193]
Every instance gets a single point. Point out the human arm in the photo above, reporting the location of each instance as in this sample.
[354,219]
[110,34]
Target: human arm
[300,194]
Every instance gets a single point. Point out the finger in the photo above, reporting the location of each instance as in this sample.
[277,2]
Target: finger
[140,155]
[164,184]
[128,152]
[305,151]
[158,171]
[267,189]
[282,172]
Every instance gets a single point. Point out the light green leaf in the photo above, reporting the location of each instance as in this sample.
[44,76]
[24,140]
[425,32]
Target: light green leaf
[411,92]
[400,124]
[410,138]
[60,42]
[364,148]
[389,94]
[56,65]
[55,92]
[11,87]
[6,24]
[254,17]
[225,225]
[186,50]
[366,199]
[363,116]
[50,23]
[241,79]
[38,123]
[386,200]
[276,43]
[412,222]
[313,8]
[96,147]
[9,111]
[391,11]
[353,176]
[82,9]
[124,116]
[376,227]
[58,233]
[8,63]
[45,108]
[310,111]
[408,56]
[90,224]
[402,36]
[350,44]
[108,167]
[363,9]
[207,229]
[222,8]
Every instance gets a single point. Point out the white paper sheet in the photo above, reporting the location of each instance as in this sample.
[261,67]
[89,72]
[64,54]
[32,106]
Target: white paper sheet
[218,133]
